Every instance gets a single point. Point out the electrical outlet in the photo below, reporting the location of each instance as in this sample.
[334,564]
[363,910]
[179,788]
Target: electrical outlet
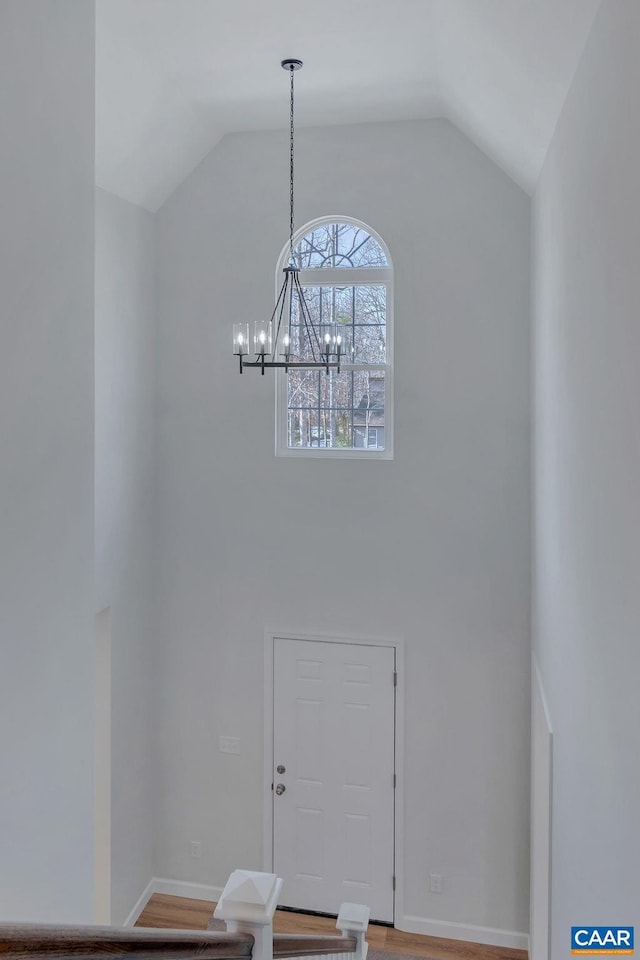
[196,850]
[435,883]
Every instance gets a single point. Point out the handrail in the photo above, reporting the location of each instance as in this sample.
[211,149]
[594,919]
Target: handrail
[300,945]
[31,941]
[22,941]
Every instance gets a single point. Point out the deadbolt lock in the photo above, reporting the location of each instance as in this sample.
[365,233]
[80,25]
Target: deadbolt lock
[281,768]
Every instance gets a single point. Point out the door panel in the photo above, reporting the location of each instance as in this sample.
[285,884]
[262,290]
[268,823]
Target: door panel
[334,723]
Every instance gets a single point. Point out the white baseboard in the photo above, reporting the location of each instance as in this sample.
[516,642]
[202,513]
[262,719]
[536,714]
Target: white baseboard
[464,931]
[182,888]
[140,904]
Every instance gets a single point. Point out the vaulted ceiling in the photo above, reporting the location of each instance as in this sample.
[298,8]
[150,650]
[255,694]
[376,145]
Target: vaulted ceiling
[174,76]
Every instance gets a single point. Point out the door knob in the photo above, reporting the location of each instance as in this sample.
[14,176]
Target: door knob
[280,789]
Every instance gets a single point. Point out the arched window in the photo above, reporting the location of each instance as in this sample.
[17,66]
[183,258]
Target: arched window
[346,273]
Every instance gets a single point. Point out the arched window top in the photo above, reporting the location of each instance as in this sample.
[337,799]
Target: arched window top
[339,244]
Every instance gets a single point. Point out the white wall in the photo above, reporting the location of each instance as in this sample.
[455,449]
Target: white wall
[125,363]
[587,478]
[46,459]
[441,533]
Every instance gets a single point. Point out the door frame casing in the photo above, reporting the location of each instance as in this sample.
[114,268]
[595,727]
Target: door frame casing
[397,644]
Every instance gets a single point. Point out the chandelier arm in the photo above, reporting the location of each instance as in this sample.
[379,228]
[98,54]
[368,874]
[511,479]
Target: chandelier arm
[308,322]
[292,364]
[279,304]
[291,289]
[282,299]
[312,333]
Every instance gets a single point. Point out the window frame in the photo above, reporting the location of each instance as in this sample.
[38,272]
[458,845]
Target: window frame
[345,277]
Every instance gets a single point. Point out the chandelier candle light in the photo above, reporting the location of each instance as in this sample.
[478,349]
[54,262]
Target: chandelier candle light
[297,342]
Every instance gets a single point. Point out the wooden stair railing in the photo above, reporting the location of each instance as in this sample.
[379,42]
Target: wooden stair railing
[38,940]
[34,941]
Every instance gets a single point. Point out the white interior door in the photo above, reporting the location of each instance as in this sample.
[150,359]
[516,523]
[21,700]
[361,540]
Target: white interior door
[334,723]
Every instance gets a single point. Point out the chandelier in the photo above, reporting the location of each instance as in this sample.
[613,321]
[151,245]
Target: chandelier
[290,338]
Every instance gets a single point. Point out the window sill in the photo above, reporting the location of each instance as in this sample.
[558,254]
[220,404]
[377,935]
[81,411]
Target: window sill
[333,453]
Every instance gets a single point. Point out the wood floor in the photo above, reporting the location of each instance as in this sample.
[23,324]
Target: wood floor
[179,913]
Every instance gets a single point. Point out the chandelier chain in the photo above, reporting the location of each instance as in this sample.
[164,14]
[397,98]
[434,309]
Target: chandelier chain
[291,72]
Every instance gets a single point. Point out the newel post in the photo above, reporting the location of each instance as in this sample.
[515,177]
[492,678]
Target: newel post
[247,905]
[353,921]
